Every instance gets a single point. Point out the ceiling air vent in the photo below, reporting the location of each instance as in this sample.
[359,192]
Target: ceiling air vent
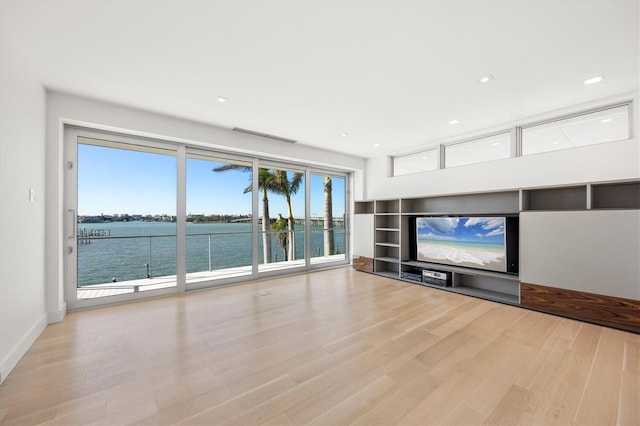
[264,135]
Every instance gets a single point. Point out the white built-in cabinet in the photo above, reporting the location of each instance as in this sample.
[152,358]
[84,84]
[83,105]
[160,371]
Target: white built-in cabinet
[381,232]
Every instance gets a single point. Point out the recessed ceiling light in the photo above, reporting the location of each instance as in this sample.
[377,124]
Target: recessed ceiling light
[592,80]
[486,79]
[376,144]
[454,122]
[605,120]
[223,100]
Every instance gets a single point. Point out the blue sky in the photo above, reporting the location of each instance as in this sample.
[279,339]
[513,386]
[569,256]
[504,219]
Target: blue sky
[484,229]
[115,181]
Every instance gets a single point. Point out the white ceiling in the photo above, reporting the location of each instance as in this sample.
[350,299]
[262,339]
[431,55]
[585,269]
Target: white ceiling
[392,73]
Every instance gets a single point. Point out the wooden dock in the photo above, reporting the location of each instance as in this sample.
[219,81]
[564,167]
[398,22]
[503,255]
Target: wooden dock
[85,235]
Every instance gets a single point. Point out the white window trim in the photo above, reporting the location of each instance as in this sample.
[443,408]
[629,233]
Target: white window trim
[516,132]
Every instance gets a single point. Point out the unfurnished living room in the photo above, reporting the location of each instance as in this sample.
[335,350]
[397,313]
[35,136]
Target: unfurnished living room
[319,212]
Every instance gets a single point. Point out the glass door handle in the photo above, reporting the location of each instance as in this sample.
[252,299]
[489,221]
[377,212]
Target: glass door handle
[71,223]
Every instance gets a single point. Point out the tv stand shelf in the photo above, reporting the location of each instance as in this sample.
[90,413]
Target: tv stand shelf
[496,286]
[496,296]
[459,270]
[388,274]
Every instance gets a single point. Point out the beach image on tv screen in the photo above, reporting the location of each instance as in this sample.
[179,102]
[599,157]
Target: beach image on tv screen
[475,242]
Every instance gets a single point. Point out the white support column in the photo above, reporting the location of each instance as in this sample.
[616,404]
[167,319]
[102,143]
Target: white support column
[181,220]
[255,216]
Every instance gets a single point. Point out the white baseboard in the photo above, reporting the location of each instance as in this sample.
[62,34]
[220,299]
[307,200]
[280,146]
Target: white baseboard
[9,362]
[57,316]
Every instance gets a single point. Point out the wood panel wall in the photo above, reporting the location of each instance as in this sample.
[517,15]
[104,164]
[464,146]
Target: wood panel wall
[606,310]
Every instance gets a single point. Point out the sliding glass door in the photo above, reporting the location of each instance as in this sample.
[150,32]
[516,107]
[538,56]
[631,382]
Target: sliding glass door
[219,218]
[123,222]
[147,217]
[282,218]
[328,218]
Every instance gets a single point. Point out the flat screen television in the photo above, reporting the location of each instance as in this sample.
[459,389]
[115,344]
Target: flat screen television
[487,242]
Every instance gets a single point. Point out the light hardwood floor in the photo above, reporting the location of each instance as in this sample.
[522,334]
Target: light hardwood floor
[331,347]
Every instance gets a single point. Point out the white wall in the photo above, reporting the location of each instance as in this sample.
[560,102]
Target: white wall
[67,108]
[22,223]
[609,161]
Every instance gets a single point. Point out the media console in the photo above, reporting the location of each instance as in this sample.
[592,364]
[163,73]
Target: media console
[496,286]
[393,232]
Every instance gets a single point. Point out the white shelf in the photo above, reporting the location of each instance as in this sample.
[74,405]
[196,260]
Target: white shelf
[388,244]
[486,294]
[363,207]
[462,271]
[388,259]
[474,292]
[388,274]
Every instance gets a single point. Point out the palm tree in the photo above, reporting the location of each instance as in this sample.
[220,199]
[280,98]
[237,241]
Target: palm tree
[265,181]
[280,226]
[329,243]
[283,186]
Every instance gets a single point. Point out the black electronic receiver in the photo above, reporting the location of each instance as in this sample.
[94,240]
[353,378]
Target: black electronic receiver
[442,279]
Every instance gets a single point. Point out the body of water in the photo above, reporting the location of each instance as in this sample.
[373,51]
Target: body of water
[473,254]
[149,248]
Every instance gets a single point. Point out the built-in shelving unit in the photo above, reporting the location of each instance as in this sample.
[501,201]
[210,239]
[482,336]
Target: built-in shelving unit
[563,198]
[387,238]
[391,240]
[486,203]
[363,207]
[607,196]
[617,195]
[486,284]
[391,227]
[363,229]
[579,247]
